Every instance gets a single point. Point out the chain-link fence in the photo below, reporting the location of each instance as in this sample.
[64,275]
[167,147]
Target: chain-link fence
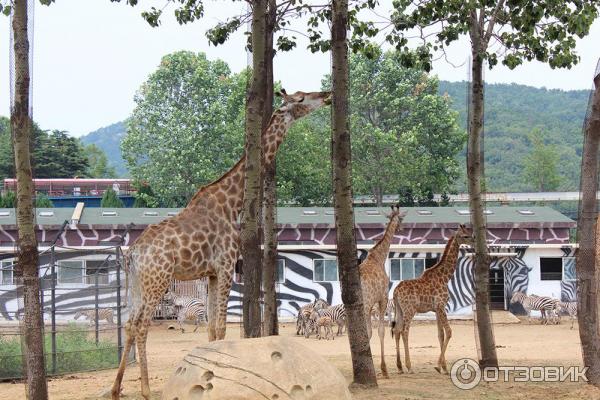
[84,307]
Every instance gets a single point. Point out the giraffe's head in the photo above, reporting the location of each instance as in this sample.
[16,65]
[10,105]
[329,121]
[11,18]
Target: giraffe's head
[464,235]
[300,104]
[397,215]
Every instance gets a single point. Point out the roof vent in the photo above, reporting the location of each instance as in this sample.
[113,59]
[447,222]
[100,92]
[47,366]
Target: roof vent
[526,212]
[46,214]
[150,213]
[488,212]
[109,213]
[329,212]
[172,213]
[463,212]
[309,212]
[424,212]
[4,213]
[372,212]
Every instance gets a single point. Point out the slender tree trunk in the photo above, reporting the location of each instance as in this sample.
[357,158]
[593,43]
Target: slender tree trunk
[269,273]
[27,253]
[362,361]
[588,255]
[474,173]
[249,225]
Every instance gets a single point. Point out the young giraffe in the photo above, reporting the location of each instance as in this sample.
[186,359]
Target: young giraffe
[201,241]
[429,292]
[375,282]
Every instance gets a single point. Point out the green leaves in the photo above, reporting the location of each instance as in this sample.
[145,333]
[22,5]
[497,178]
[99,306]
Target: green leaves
[519,31]
[187,127]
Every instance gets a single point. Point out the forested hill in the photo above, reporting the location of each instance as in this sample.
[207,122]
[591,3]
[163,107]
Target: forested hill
[109,139]
[511,113]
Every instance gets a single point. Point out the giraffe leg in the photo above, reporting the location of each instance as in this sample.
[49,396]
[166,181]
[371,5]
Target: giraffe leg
[129,340]
[142,335]
[381,333]
[405,330]
[396,332]
[212,307]
[224,287]
[440,339]
[447,331]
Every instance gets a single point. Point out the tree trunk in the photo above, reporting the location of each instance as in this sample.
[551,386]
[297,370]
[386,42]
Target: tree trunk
[474,173]
[269,273]
[362,361]
[588,256]
[249,225]
[27,253]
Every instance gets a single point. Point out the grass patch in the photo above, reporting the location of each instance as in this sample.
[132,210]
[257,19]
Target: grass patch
[76,350]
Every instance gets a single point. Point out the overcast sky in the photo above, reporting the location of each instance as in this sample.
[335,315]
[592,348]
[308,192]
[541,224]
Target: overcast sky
[91,56]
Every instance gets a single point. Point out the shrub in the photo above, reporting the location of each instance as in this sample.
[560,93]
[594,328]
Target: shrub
[111,200]
[76,350]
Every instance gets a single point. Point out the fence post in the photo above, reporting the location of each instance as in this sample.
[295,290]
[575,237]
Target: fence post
[53,307]
[96,304]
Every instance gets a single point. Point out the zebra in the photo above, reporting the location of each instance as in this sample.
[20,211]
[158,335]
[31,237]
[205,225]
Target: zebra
[188,308]
[103,314]
[389,310]
[305,312]
[569,307]
[337,314]
[542,303]
[327,324]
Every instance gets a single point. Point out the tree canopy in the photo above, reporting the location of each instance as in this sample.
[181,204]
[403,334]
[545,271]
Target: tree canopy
[54,154]
[187,126]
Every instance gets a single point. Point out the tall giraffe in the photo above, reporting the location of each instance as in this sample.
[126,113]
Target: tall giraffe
[201,241]
[429,292]
[375,282]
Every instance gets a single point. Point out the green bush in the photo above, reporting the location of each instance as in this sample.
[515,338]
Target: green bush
[76,350]
[8,200]
[42,201]
[111,200]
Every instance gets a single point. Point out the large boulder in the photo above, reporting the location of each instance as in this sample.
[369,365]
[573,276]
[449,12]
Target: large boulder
[264,368]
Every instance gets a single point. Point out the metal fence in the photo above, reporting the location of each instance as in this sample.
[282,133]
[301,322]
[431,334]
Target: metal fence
[82,298]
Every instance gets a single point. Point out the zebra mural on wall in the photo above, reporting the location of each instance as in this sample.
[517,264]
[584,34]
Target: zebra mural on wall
[299,289]
[568,289]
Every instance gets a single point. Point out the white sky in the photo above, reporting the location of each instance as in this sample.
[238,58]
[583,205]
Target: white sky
[91,56]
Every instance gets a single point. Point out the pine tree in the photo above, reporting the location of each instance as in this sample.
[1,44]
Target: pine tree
[111,200]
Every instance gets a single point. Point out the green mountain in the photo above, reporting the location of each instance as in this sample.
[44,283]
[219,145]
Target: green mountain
[109,139]
[511,112]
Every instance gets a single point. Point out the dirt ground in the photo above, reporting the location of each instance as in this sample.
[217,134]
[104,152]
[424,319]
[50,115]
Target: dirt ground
[518,344]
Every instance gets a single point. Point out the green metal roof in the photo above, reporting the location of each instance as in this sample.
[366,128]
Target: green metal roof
[43,216]
[503,216]
[124,216]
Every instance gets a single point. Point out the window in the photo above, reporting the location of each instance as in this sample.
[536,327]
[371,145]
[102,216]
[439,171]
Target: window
[7,272]
[325,270]
[569,269]
[430,262]
[551,268]
[280,270]
[70,272]
[100,267]
[402,269]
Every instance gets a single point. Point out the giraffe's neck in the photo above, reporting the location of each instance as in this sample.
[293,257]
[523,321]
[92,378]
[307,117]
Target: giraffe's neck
[380,251]
[446,266]
[228,190]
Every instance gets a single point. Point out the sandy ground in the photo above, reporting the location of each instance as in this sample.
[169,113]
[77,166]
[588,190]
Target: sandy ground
[518,344]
